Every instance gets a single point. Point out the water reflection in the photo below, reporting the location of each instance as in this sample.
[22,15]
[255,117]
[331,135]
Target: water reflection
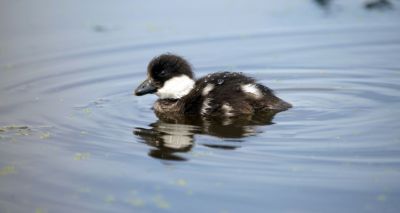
[169,137]
[323,3]
[378,5]
[369,5]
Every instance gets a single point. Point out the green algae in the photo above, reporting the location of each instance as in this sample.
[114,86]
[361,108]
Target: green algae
[7,170]
[160,202]
[109,199]
[82,156]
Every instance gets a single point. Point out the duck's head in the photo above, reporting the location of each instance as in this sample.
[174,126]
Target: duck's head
[168,76]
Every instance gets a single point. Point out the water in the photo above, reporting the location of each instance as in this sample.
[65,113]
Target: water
[73,138]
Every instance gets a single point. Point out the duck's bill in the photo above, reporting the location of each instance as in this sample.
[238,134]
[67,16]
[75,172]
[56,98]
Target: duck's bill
[145,88]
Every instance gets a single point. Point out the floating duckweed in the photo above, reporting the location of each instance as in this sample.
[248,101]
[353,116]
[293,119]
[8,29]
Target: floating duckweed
[87,110]
[7,170]
[181,182]
[81,156]
[40,210]
[12,127]
[137,202]
[160,202]
[45,135]
[381,198]
[23,132]
[84,190]
[152,28]
[109,199]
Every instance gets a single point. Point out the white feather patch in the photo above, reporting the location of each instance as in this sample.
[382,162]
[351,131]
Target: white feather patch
[176,87]
[207,89]
[227,110]
[206,106]
[252,88]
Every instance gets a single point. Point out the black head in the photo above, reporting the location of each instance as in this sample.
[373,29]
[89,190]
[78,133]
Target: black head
[161,69]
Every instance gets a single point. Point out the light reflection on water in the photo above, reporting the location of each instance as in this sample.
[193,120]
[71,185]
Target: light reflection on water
[73,137]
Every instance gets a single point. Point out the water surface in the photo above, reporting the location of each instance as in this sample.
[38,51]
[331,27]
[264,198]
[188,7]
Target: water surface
[73,138]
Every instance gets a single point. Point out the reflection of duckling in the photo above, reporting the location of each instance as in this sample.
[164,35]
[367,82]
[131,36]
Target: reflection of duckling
[223,94]
[323,3]
[168,139]
[171,137]
[379,4]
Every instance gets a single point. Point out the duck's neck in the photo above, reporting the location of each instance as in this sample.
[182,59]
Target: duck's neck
[176,87]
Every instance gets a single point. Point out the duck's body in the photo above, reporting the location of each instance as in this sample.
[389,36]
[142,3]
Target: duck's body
[223,94]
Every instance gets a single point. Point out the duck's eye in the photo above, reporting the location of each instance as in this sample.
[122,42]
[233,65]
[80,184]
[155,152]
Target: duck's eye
[162,73]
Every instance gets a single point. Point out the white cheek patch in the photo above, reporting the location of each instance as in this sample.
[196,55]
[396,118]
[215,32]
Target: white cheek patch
[207,89]
[252,88]
[176,87]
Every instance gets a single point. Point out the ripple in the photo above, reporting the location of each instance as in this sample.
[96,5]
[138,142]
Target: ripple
[341,133]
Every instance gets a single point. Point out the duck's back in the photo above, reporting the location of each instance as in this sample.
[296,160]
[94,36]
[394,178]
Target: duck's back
[231,94]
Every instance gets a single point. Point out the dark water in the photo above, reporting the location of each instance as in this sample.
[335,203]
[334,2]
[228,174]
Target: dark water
[74,139]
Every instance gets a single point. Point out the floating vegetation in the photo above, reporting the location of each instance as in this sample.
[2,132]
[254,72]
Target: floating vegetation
[84,189]
[13,127]
[189,192]
[82,156]
[137,202]
[98,103]
[45,135]
[381,198]
[87,110]
[7,170]
[22,130]
[161,203]
[109,199]
[152,28]
[181,182]
[40,210]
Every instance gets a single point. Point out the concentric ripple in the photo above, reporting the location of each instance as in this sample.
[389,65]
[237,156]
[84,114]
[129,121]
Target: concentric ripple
[340,139]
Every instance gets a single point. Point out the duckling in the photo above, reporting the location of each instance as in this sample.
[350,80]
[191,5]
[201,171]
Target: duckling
[221,94]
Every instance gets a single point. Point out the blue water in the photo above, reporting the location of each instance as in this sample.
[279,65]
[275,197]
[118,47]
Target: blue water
[73,138]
